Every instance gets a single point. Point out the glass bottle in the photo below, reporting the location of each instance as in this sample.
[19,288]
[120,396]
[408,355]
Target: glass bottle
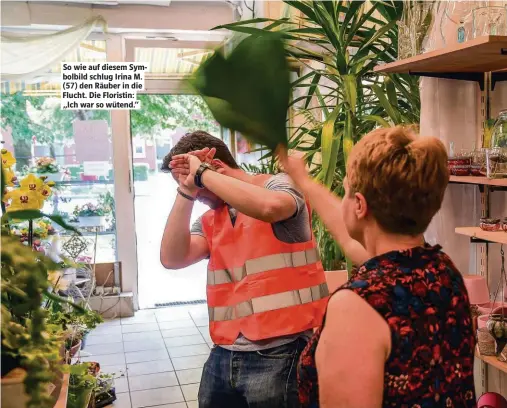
[499,134]
[461,31]
[497,155]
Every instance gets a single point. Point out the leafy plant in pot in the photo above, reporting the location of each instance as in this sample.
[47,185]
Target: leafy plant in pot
[89,388]
[49,168]
[91,215]
[338,98]
[73,325]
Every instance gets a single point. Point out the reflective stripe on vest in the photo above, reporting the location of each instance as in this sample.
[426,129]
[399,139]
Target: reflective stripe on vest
[269,302]
[263,264]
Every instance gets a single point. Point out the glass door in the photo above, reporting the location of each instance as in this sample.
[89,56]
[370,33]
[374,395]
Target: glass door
[162,120]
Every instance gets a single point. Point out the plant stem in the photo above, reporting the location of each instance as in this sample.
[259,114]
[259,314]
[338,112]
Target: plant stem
[30,233]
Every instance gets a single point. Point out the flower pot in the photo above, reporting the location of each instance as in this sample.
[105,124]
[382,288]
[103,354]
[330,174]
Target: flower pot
[335,279]
[75,348]
[93,221]
[52,176]
[13,389]
[482,321]
[488,308]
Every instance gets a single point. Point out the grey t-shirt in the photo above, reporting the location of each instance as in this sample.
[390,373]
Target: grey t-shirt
[292,230]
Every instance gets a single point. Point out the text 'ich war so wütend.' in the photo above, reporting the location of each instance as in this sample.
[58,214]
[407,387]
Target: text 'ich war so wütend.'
[108,85]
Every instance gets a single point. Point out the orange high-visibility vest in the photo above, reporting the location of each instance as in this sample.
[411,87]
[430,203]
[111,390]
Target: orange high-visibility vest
[258,285]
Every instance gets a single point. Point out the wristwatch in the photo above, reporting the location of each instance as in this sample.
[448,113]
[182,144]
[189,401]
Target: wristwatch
[198,174]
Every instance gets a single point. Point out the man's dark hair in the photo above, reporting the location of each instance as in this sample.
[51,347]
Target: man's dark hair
[196,141]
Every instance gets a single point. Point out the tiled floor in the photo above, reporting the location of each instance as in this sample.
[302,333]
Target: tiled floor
[157,356]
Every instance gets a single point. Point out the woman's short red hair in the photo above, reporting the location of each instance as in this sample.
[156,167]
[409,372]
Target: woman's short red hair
[403,178]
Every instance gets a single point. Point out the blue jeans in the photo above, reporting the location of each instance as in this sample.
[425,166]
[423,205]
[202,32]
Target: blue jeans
[256,379]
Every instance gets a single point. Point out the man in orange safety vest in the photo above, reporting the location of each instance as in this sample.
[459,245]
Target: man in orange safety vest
[266,287]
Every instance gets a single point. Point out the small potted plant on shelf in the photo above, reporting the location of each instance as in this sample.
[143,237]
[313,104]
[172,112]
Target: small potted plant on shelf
[91,215]
[90,388]
[49,168]
[73,325]
[82,383]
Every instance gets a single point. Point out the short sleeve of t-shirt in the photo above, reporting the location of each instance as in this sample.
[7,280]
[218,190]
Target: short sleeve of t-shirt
[196,228]
[296,228]
[292,230]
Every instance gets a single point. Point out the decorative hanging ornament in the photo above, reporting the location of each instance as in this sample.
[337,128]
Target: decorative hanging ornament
[497,323]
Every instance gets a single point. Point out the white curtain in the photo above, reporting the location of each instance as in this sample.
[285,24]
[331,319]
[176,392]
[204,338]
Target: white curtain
[25,56]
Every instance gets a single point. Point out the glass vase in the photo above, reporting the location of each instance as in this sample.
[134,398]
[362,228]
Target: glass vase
[496,156]
[459,14]
[490,20]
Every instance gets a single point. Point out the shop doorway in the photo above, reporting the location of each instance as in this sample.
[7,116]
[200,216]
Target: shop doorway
[162,120]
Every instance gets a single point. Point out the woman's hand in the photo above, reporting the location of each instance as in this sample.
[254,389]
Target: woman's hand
[294,166]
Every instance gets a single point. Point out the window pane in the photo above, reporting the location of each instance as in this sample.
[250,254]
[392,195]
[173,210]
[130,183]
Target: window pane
[74,149]
[172,60]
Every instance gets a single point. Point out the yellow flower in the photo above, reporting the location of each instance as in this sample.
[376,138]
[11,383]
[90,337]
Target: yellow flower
[10,177]
[8,159]
[31,182]
[57,281]
[45,191]
[24,200]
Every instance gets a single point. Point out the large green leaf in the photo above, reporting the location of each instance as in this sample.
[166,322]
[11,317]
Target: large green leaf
[249,90]
[330,145]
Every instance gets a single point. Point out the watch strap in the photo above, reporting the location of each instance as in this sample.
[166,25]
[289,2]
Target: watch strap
[198,174]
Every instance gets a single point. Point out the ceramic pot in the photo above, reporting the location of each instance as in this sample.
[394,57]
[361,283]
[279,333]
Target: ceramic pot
[482,321]
[75,348]
[52,176]
[13,389]
[487,308]
[93,221]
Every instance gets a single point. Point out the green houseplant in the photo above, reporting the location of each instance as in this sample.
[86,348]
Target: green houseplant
[338,97]
[31,353]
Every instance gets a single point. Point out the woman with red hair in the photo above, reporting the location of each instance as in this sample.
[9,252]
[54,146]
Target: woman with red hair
[399,332]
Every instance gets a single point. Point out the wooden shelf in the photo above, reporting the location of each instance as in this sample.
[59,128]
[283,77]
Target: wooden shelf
[492,361]
[479,180]
[499,237]
[483,54]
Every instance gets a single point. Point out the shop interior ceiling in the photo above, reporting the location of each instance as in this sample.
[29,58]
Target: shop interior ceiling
[164,57]
[108,3]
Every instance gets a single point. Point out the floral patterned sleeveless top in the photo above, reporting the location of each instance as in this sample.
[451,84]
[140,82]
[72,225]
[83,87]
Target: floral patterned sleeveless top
[422,297]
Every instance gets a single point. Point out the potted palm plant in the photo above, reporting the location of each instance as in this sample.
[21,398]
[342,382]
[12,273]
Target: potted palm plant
[337,97]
